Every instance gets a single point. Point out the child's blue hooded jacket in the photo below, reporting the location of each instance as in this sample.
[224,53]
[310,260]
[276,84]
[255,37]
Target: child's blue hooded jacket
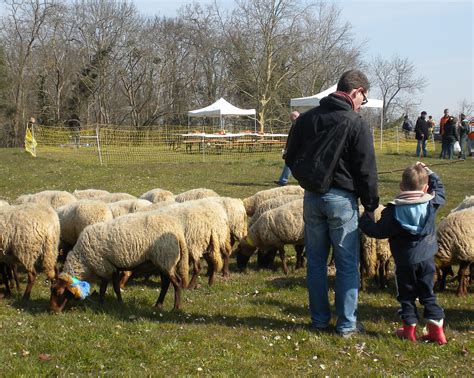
[409,225]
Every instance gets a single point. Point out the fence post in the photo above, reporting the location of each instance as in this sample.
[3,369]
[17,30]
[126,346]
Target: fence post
[98,143]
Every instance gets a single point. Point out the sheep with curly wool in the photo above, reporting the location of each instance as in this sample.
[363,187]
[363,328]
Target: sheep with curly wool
[252,203]
[195,194]
[273,203]
[29,234]
[89,193]
[54,198]
[125,243]
[123,207]
[158,195]
[4,203]
[466,203]
[274,229]
[115,197]
[456,244]
[375,255]
[73,218]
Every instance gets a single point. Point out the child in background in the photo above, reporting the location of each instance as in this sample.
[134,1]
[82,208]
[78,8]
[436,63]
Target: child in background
[409,224]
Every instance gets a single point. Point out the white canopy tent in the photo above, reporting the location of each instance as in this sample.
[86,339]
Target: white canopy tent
[220,109]
[312,101]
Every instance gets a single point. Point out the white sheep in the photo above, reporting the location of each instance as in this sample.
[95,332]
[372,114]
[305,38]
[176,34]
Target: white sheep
[195,194]
[54,198]
[29,234]
[89,193]
[272,203]
[76,216]
[456,244]
[466,203]
[274,229]
[4,204]
[115,197]
[158,195]
[375,255]
[253,202]
[126,243]
[123,207]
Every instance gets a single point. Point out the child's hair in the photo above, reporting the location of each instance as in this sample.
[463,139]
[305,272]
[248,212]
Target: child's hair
[414,177]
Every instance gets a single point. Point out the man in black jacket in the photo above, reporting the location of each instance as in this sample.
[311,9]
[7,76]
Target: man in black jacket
[335,145]
[421,134]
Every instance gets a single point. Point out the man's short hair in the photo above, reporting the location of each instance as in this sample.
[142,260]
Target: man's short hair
[446,110]
[423,113]
[414,177]
[353,79]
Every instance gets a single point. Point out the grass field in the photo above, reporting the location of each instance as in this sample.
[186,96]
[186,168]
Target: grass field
[256,323]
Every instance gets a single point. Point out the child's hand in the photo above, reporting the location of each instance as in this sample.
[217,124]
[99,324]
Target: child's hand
[370,214]
[420,164]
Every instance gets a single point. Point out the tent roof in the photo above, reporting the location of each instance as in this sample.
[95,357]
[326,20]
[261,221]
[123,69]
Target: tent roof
[312,101]
[220,108]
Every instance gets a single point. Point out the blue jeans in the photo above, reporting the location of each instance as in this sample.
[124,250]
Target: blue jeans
[332,219]
[285,175]
[421,145]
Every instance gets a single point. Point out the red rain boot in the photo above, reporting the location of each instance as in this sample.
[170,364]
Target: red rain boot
[434,332]
[408,331]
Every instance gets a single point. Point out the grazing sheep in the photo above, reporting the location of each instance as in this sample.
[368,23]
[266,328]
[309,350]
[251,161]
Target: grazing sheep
[195,194]
[54,198]
[89,193]
[4,203]
[276,228]
[456,244]
[158,195]
[466,203]
[375,255]
[126,243]
[252,203]
[272,203]
[115,197]
[123,207]
[29,234]
[76,216]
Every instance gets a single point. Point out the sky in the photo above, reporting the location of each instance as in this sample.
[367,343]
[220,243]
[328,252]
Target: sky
[436,35]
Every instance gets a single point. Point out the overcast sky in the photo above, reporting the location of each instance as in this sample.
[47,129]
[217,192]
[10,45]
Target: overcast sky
[436,35]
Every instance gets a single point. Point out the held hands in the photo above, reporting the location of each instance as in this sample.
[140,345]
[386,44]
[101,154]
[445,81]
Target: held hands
[370,214]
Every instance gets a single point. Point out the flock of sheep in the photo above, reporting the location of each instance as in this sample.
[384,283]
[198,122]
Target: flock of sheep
[99,236]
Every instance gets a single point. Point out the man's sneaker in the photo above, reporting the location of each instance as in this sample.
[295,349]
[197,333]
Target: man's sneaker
[280,183]
[357,330]
[408,331]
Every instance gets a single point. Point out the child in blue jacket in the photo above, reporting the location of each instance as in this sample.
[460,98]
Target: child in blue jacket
[409,224]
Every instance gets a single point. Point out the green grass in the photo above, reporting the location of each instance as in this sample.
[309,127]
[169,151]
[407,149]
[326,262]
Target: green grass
[256,323]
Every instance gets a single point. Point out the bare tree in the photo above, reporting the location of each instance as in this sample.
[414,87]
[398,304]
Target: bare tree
[395,78]
[466,107]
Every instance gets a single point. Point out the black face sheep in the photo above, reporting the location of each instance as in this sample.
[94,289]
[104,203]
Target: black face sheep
[54,198]
[29,234]
[125,243]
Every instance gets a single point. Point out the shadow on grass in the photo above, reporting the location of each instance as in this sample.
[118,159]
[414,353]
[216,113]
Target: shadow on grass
[249,184]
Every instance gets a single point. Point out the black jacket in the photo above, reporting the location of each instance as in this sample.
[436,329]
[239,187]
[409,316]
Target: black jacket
[421,129]
[408,247]
[356,169]
[450,133]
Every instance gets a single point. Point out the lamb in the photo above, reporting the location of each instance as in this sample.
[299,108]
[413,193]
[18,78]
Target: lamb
[89,193]
[123,207]
[252,203]
[158,195]
[195,194]
[375,255]
[54,198]
[125,243]
[29,234]
[76,216]
[466,203]
[275,228]
[115,197]
[456,244]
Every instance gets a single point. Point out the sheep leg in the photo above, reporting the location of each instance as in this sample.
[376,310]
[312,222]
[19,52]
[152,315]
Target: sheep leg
[125,276]
[116,286]
[299,256]
[463,279]
[382,275]
[4,269]
[29,286]
[196,270]
[225,269]
[165,284]
[281,252]
[102,289]
[177,292]
[210,270]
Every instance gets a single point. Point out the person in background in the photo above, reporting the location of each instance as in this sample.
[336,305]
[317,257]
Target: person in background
[409,224]
[442,122]
[421,134]
[431,125]
[75,125]
[407,126]
[463,139]
[286,172]
[449,138]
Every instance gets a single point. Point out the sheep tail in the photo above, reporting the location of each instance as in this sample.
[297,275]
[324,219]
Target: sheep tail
[215,253]
[50,254]
[183,263]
